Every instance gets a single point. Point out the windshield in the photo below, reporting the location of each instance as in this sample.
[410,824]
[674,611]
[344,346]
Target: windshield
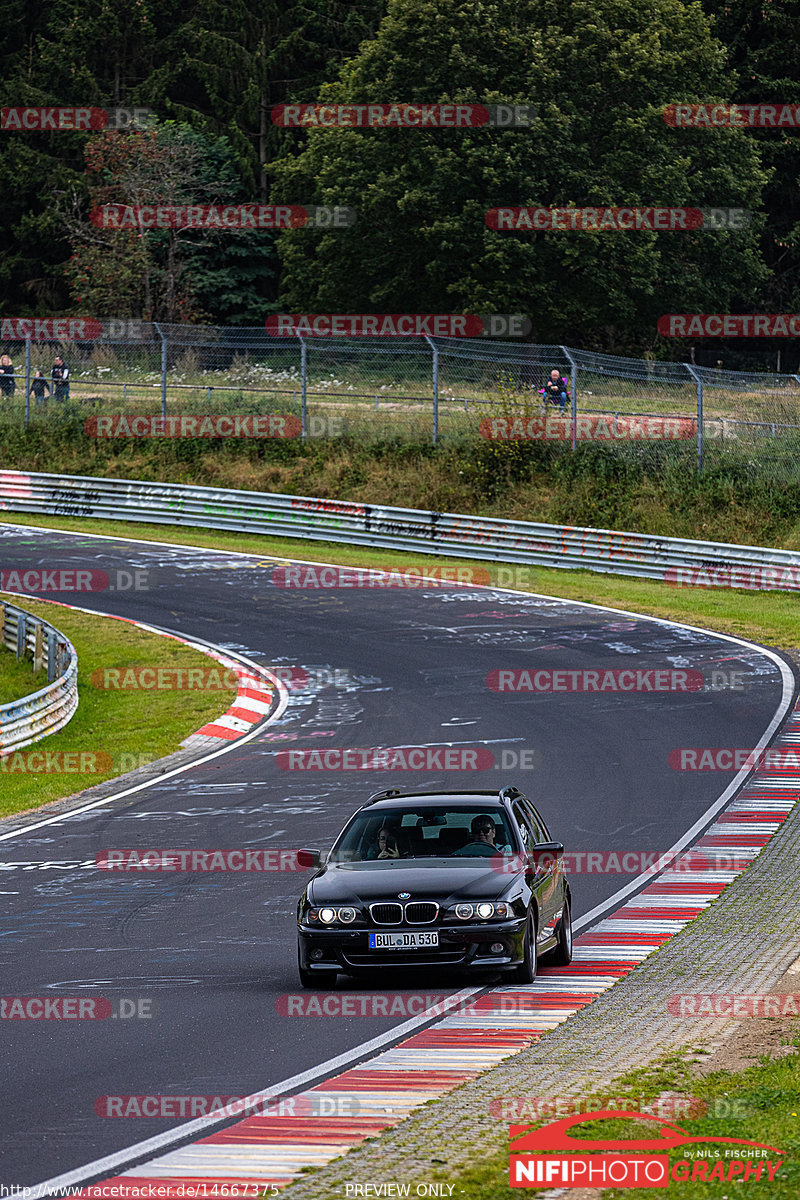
[404,833]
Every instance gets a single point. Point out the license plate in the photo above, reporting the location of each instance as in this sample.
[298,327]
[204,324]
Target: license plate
[402,941]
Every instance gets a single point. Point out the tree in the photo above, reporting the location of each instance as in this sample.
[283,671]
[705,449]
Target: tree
[132,272]
[762,40]
[600,72]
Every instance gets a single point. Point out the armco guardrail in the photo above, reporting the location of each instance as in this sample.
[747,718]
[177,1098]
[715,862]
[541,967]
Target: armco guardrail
[453,534]
[44,712]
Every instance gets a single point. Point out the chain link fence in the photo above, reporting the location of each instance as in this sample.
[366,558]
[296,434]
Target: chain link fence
[411,389]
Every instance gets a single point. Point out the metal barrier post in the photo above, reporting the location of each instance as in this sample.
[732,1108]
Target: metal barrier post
[27,382]
[573,387]
[699,383]
[435,389]
[304,387]
[52,645]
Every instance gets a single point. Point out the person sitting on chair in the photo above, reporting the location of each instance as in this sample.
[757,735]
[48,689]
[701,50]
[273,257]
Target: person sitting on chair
[555,390]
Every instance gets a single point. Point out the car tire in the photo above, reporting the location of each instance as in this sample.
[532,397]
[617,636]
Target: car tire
[526,971]
[318,980]
[561,954]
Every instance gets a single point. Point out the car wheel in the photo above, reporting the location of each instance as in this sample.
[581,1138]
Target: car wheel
[526,971]
[319,980]
[561,954]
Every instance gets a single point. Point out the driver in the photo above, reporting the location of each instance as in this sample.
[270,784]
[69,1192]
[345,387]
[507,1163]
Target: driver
[483,844]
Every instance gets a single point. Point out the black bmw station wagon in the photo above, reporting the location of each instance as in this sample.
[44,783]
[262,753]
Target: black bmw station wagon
[461,880]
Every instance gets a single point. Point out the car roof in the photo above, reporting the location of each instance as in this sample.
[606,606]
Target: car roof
[436,799]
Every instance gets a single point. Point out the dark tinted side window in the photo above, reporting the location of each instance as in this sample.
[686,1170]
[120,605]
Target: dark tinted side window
[537,824]
[527,828]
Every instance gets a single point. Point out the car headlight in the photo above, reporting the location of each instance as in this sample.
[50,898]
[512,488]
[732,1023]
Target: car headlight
[328,915]
[484,911]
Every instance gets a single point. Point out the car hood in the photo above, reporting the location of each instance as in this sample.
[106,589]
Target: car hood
[434,879]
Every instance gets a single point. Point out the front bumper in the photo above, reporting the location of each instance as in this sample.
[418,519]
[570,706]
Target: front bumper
[464,946]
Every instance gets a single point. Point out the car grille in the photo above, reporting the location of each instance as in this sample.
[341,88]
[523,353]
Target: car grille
[421,912]
[418,912]
[386,914]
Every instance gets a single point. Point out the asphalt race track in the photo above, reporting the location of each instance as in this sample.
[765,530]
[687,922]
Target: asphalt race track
[210,954]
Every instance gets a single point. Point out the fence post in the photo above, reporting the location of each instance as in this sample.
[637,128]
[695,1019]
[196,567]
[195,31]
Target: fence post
[27,381]
[304,389]
[163,369]
[435,372]
[573,387]
[699,383]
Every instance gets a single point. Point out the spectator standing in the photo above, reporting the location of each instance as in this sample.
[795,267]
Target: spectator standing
[40,388]
[8,384]
[60,377]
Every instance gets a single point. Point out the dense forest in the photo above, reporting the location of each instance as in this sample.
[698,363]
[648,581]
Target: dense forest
[599,74]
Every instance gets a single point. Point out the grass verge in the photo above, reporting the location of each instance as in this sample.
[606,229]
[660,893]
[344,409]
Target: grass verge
[17,678]
[759,1104]
[113,731]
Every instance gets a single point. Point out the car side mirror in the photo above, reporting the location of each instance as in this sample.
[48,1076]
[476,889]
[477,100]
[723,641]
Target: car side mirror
[546,854]
[309,858]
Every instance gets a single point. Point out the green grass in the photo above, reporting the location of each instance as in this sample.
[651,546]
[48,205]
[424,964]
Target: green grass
[117,729]
[765,1099]
[17,678]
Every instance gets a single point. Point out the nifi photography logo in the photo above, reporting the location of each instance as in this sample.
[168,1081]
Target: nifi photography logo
[549,1157]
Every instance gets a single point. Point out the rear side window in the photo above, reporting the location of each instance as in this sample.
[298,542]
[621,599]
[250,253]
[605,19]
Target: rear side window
[538,827]
[525,827]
